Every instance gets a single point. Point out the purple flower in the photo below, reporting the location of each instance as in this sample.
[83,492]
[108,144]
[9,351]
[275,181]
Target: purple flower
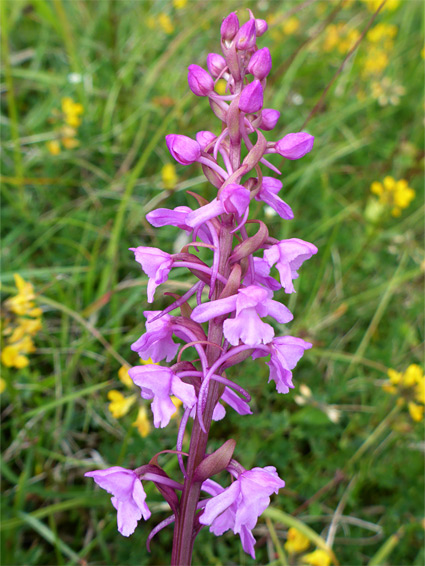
[289,255]
[185,150]
[177,217]
[200,83]
[167,217]
[268,194]
[285,353]
[156,264]
[269,118]
[239,506]
[204,138]
[260,64]
[216,64]
[295,146]
[158,383]
[128,496]
[246,36]
[250,304]
[157,342]
[229,27]
[251,99]
[262,275]
[233,199]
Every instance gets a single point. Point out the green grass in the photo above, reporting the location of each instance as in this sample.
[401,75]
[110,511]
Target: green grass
[68,221]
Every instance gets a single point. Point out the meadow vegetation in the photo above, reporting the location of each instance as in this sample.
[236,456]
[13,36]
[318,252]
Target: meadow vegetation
[89,90]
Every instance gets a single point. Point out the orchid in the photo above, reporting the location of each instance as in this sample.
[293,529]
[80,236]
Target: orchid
[230,310]
[128,496]
[239,506]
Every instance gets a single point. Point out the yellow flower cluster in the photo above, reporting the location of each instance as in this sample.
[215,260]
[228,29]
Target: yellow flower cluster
[396,194]
[21,326]
[410,386]
[296,542]
[280,30]
[380,44]
[317,558]
[339,37]
[389,5]
[71,116]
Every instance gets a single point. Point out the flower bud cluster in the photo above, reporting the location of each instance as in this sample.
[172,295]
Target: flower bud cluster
[234,293]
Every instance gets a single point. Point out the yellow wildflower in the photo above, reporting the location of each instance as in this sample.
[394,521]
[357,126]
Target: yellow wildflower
[413,375]
[2,385]
[70,107]
[11,356]
[410,386]
[297,542]
[382,32]
[396,194]
[395,376]
[25,326]
[416,411]
[124,377]
[22,302]
[53,147]
[179,4]
[169,176]
[291,26]
[376,61]
[220,87]
[142,422]
[19,332]
[119,405]
[317,558]
[373,5]
[420,391]
[70,143]
[165,23]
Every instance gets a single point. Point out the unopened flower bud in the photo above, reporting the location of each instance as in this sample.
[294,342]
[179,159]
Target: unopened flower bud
[261,27]
[216,64]
[260,64]
[204,138]
[251,99]
[229,27]
[246,37]
[295,146]
[269,118]
[200,83]
[184,150]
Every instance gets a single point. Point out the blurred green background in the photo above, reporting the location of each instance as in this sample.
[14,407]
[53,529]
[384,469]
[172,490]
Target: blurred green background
[89,90]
